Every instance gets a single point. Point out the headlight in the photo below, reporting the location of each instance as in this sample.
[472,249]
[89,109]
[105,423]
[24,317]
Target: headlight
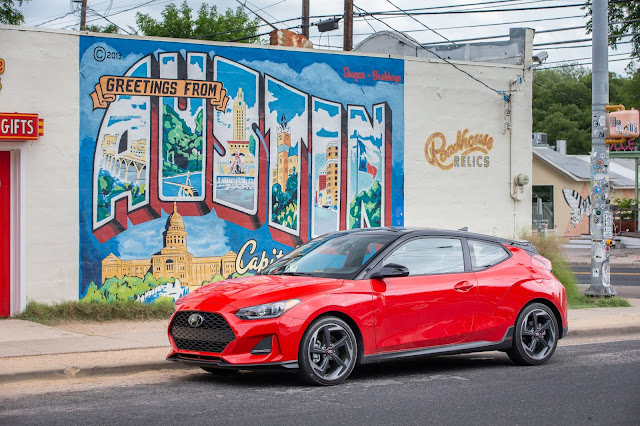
[268,310]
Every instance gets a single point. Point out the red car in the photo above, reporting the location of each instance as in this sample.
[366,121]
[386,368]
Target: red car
[370,295]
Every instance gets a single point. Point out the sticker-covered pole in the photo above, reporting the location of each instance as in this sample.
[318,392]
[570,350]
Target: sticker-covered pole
[601,219]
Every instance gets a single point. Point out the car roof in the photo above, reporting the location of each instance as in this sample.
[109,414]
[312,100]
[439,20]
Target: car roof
[460,233]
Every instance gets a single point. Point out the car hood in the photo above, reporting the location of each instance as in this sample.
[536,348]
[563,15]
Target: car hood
[258,289]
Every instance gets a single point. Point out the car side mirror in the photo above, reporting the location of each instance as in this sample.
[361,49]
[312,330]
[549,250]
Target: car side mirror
[391,270]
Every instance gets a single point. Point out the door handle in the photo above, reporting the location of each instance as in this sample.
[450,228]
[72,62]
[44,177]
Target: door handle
[463,286]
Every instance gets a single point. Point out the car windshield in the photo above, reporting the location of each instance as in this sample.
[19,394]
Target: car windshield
[332,256]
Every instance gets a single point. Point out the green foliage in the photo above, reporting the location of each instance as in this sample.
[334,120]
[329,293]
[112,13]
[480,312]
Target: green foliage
[551,249]
[120,289]
[624,18]
[182,148]
[108,29]
[177,22]
[252,145]
[9,14]
[561,105]
[79,311]
[285,204]
[626,206]
[108,189]
[372,199]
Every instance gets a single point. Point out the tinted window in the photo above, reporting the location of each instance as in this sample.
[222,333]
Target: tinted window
[335,255]
[484,254]
[429,256]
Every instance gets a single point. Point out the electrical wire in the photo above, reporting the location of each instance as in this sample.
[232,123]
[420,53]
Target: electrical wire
[502,93]
[418,21]
[579,65]
[562,93]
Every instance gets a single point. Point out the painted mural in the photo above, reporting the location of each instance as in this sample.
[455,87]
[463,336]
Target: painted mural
[200,163]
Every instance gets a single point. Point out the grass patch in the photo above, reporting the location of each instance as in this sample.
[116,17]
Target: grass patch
[98,312]
[550,248]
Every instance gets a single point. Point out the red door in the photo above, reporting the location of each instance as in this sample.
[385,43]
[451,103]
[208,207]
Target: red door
[434,305]
[5,233]
[423,311]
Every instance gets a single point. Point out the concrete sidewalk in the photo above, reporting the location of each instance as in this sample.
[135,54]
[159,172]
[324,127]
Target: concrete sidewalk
[34,351]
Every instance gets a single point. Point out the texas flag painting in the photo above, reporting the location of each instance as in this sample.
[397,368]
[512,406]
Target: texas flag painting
[365,160]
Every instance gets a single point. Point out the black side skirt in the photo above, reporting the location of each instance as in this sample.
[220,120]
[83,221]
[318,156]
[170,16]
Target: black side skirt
[216,362]
[461,348]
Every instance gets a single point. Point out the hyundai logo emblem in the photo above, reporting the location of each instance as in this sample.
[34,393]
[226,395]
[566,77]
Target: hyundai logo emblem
[195,320]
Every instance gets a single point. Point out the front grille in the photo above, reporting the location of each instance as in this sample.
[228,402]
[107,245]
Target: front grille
[213,335]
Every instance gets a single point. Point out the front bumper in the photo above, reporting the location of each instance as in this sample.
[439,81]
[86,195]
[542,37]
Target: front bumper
[217,362]
[245,348]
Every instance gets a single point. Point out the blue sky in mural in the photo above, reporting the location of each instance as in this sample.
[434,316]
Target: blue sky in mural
[205,237]
[234,77]
[197,60]
[309,73]
[116,119]
[331,109]
[324,133]
[286,101]
[377,142]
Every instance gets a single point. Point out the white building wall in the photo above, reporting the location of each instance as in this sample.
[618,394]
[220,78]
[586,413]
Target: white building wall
[41,76]
[440,98]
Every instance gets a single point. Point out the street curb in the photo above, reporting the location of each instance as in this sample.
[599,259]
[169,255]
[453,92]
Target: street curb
[73,372]
[599,332]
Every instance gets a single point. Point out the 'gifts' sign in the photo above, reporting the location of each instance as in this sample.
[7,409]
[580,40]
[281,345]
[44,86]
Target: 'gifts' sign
[16,126]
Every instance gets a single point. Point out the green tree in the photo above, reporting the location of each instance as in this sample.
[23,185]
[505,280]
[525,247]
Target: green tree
[177,22]
[624,18]
[9,14]
[110,29]
[561,105]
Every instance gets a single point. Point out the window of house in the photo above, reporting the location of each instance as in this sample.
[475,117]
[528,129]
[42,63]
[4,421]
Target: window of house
[542,206]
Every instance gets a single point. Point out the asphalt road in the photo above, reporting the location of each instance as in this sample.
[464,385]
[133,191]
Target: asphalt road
[619,276]
[596,383]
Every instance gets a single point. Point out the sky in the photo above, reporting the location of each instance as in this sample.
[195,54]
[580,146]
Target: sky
[427,28]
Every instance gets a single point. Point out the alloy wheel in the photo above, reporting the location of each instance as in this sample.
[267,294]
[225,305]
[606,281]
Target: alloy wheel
[331,352]
[538,334]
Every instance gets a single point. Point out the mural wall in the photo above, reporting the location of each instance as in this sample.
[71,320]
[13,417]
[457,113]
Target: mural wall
[200,163]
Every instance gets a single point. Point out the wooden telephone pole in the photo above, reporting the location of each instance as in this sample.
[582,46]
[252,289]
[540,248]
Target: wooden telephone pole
[305,18]
[348,26]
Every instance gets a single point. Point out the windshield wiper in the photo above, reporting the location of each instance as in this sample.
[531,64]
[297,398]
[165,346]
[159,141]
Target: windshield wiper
[296,274]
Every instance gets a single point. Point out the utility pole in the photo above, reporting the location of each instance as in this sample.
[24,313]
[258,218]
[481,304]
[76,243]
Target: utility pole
[348,26]
[305,18]
[83,15]
[601,219]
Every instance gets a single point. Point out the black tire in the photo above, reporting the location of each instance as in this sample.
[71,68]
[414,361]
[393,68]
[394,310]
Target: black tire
[536,335]
[328,352]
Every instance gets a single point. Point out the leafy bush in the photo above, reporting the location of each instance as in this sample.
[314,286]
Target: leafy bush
[551,249]
[96,311]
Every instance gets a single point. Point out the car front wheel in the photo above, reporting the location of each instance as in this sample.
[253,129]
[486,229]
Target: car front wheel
[328,352]
[536,335]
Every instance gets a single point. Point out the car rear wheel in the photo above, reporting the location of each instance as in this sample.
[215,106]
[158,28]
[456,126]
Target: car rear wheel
[328,352]
[536,335]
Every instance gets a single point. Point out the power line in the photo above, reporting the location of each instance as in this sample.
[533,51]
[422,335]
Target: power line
[420,22]
[560,92]
[490,25]
[500,92]
[109,20]
[469,11]
[582,40]
[582,59]
[579,65]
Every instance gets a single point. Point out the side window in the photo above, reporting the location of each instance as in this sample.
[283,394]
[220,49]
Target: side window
[425,256]
[485,254]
